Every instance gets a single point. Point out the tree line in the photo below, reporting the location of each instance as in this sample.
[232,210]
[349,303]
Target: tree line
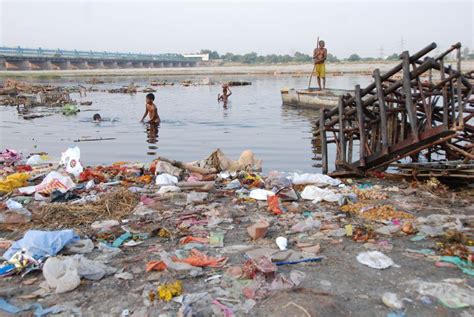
[298,57]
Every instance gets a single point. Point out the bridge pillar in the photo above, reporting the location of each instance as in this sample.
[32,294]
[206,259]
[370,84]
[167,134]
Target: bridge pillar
[41,65]
[80,64]
[21,65]
[137,64]
[62,64]
[3,64]
[96,64]
[177,64]
[110,64]
[160,64]
[124,64]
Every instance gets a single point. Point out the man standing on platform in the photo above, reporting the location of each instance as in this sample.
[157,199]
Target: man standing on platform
[319,56]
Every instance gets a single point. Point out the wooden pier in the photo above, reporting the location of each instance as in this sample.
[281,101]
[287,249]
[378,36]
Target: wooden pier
[395,118]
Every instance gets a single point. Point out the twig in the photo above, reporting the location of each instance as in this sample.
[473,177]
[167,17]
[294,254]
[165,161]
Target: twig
[298,306]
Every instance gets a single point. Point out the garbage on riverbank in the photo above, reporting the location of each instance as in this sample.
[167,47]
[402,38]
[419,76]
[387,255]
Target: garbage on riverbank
[210,236]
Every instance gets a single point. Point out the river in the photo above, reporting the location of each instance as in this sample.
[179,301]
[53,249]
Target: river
[193,123]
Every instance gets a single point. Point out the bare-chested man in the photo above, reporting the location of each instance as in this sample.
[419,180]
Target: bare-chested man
[319,56]
[150,110]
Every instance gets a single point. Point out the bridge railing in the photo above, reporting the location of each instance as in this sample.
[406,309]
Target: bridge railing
[39,52]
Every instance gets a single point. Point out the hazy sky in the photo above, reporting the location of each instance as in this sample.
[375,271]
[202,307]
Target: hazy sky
[363,27]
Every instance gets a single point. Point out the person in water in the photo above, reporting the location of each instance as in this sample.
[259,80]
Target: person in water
[151,110]
[97,118]
[319,56]
[225,93]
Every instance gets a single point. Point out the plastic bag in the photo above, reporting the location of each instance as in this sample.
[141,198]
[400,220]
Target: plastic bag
[375,259]
[166,179]
[53,181]
[448,292]
[168,189]
[199,259]
[317,194]
[301,179]
[70,159]
[260,194]
[13,181]
[60,276]
[42,243]
[80,246]
[306,225]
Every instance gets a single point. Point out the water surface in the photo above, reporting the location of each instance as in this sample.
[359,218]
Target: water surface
[193,123]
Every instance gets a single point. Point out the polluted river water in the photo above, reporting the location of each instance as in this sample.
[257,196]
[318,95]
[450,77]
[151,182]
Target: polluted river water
[193,122]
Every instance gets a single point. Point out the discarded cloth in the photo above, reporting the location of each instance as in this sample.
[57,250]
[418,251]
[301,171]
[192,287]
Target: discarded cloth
[13,181]
[199,259]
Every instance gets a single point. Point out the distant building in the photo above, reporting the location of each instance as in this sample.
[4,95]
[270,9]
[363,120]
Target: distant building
[203,57]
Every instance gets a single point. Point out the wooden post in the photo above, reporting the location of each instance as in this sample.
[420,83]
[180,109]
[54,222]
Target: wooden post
[445,95]
[360,118]
[460,123]
[411,111]
[324,147]
[342,137]
[383,109]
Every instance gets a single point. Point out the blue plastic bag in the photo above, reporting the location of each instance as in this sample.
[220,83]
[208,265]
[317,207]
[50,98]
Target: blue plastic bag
[42,243]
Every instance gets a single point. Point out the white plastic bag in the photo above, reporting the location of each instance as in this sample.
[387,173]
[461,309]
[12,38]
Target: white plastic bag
[375,259]
[300,179]
[317,194]
[166,179]
[70,159]
[260,194]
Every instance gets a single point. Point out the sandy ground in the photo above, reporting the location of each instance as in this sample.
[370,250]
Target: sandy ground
[219,70]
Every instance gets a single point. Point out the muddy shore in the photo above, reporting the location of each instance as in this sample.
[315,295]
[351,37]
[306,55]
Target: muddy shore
[300,69]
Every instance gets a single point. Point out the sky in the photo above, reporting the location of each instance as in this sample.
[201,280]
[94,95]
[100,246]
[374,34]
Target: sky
[368,28]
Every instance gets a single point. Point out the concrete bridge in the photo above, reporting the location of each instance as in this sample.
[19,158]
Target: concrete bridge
[40,59]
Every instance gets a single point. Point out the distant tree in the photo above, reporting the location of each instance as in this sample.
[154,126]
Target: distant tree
[471,56]
[212,54]
[332,58]
[465,52]
[393,57]
[369,59]
[354,58]
[250,58]
[301,58]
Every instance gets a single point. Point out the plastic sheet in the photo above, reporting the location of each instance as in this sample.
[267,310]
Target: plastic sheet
[302,179]
[42,243]
[317,194]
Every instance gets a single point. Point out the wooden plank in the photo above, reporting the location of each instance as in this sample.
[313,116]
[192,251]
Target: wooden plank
[383,110]
[408,97]
[342,136]
[445,94]
[324,146]
[360,118]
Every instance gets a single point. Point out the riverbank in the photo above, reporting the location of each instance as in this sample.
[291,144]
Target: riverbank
[300,69]
[199,239]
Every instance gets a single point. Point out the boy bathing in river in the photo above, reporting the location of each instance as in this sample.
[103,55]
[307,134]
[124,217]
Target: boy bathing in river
[225,93]
[151,110]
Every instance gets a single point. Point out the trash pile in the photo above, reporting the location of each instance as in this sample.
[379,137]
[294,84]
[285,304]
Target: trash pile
[210,237]
[19,93]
